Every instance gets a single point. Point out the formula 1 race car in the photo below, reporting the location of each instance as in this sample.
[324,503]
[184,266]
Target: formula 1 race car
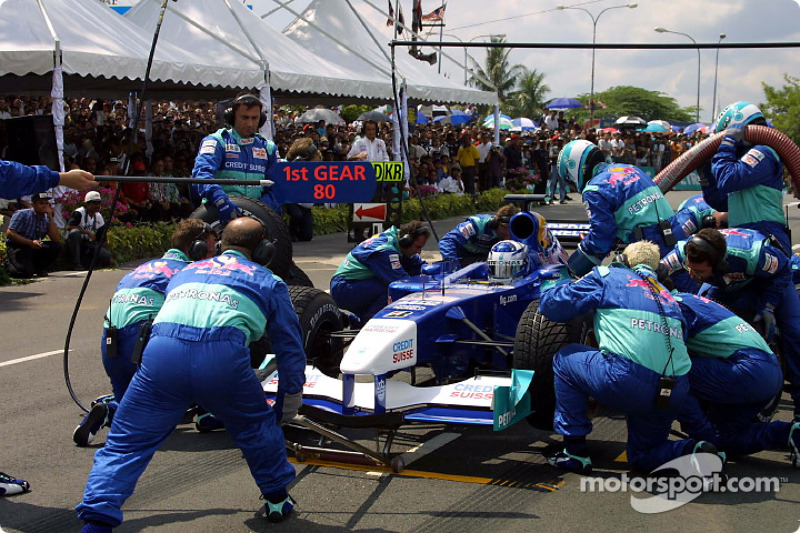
[460,347]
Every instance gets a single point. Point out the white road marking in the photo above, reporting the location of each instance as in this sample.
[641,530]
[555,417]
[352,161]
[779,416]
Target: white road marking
[31,358]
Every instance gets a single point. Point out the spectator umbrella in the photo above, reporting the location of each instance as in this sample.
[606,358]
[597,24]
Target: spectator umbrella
[375,115]
[629,121]
[524,124]
[320,113]
[564,103]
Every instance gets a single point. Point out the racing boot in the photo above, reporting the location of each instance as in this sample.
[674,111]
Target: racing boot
[769,410]
[570,462]
[703,470]
[97,418]
[10,485]
[278,506]
[205,422]
[96,527]
[794,445]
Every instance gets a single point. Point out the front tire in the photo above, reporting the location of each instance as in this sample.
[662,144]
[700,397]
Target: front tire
[537,341]
[319,316]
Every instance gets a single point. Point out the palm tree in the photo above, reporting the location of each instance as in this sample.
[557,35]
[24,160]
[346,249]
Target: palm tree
[498,75]
[529,98]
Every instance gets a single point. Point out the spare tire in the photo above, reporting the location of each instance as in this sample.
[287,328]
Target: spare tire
[298,277]
[276,229]
[536,342]
[319,316]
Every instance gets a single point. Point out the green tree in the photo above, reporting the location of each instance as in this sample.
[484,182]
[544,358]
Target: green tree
[497,75]
[783,106]
[627,100]
[530,97]
[351,112]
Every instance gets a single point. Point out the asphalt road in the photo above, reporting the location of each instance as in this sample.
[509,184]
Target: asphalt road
[470,479]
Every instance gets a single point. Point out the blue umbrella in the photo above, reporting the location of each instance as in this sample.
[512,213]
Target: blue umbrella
[459,117]
[421,119]
[564,103]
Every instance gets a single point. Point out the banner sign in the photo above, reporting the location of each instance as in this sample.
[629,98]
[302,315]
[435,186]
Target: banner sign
[342,182]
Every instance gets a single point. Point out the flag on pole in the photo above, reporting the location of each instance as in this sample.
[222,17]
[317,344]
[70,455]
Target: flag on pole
[416,20]
[400,20]
[390,20]
[437,15]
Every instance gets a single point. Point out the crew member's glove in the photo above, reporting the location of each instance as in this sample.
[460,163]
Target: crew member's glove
[733,135]
[287,409]
[227,210]
[767,316]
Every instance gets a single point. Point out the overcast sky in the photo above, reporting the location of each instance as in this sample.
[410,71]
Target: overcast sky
[673,72]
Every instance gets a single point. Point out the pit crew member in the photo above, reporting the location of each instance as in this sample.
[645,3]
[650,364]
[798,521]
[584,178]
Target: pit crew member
[236,152]
[18,180]
[641,352]
[747,180]
[695,213]
[471,240]
[361,283]
[744,272]
[623,204]
[735,374]
[139,296]
[198,353]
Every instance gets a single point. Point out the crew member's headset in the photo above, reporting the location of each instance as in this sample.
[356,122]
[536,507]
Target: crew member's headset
[199,249]
[264,251]
[719,265]
[662,272]
[409,238]
[248,100]
[495,221]
[709,221]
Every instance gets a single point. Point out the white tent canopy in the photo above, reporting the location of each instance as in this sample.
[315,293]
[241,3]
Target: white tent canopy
[100,52]
[229,33]
[361,53]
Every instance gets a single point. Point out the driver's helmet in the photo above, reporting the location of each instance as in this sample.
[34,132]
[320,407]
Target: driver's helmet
[739,113]
[577,160]
[506,260]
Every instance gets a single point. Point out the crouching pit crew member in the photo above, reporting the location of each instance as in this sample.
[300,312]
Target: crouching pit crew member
[735,374]
[471,240]
[130,313]
[745,273]
[198,354]
[361,283]
[639,367]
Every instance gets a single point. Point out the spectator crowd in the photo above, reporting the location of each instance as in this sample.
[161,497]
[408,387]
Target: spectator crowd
[445,159]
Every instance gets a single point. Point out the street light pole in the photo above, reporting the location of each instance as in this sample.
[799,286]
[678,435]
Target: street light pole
[664,30]
[716,68]
[594,40]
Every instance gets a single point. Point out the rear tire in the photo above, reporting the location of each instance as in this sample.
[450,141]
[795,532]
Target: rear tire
[276,229]
[319,316]
[537,340]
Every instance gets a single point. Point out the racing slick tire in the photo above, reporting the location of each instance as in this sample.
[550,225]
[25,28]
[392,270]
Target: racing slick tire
[536,342]
[319,316]
[276,229]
